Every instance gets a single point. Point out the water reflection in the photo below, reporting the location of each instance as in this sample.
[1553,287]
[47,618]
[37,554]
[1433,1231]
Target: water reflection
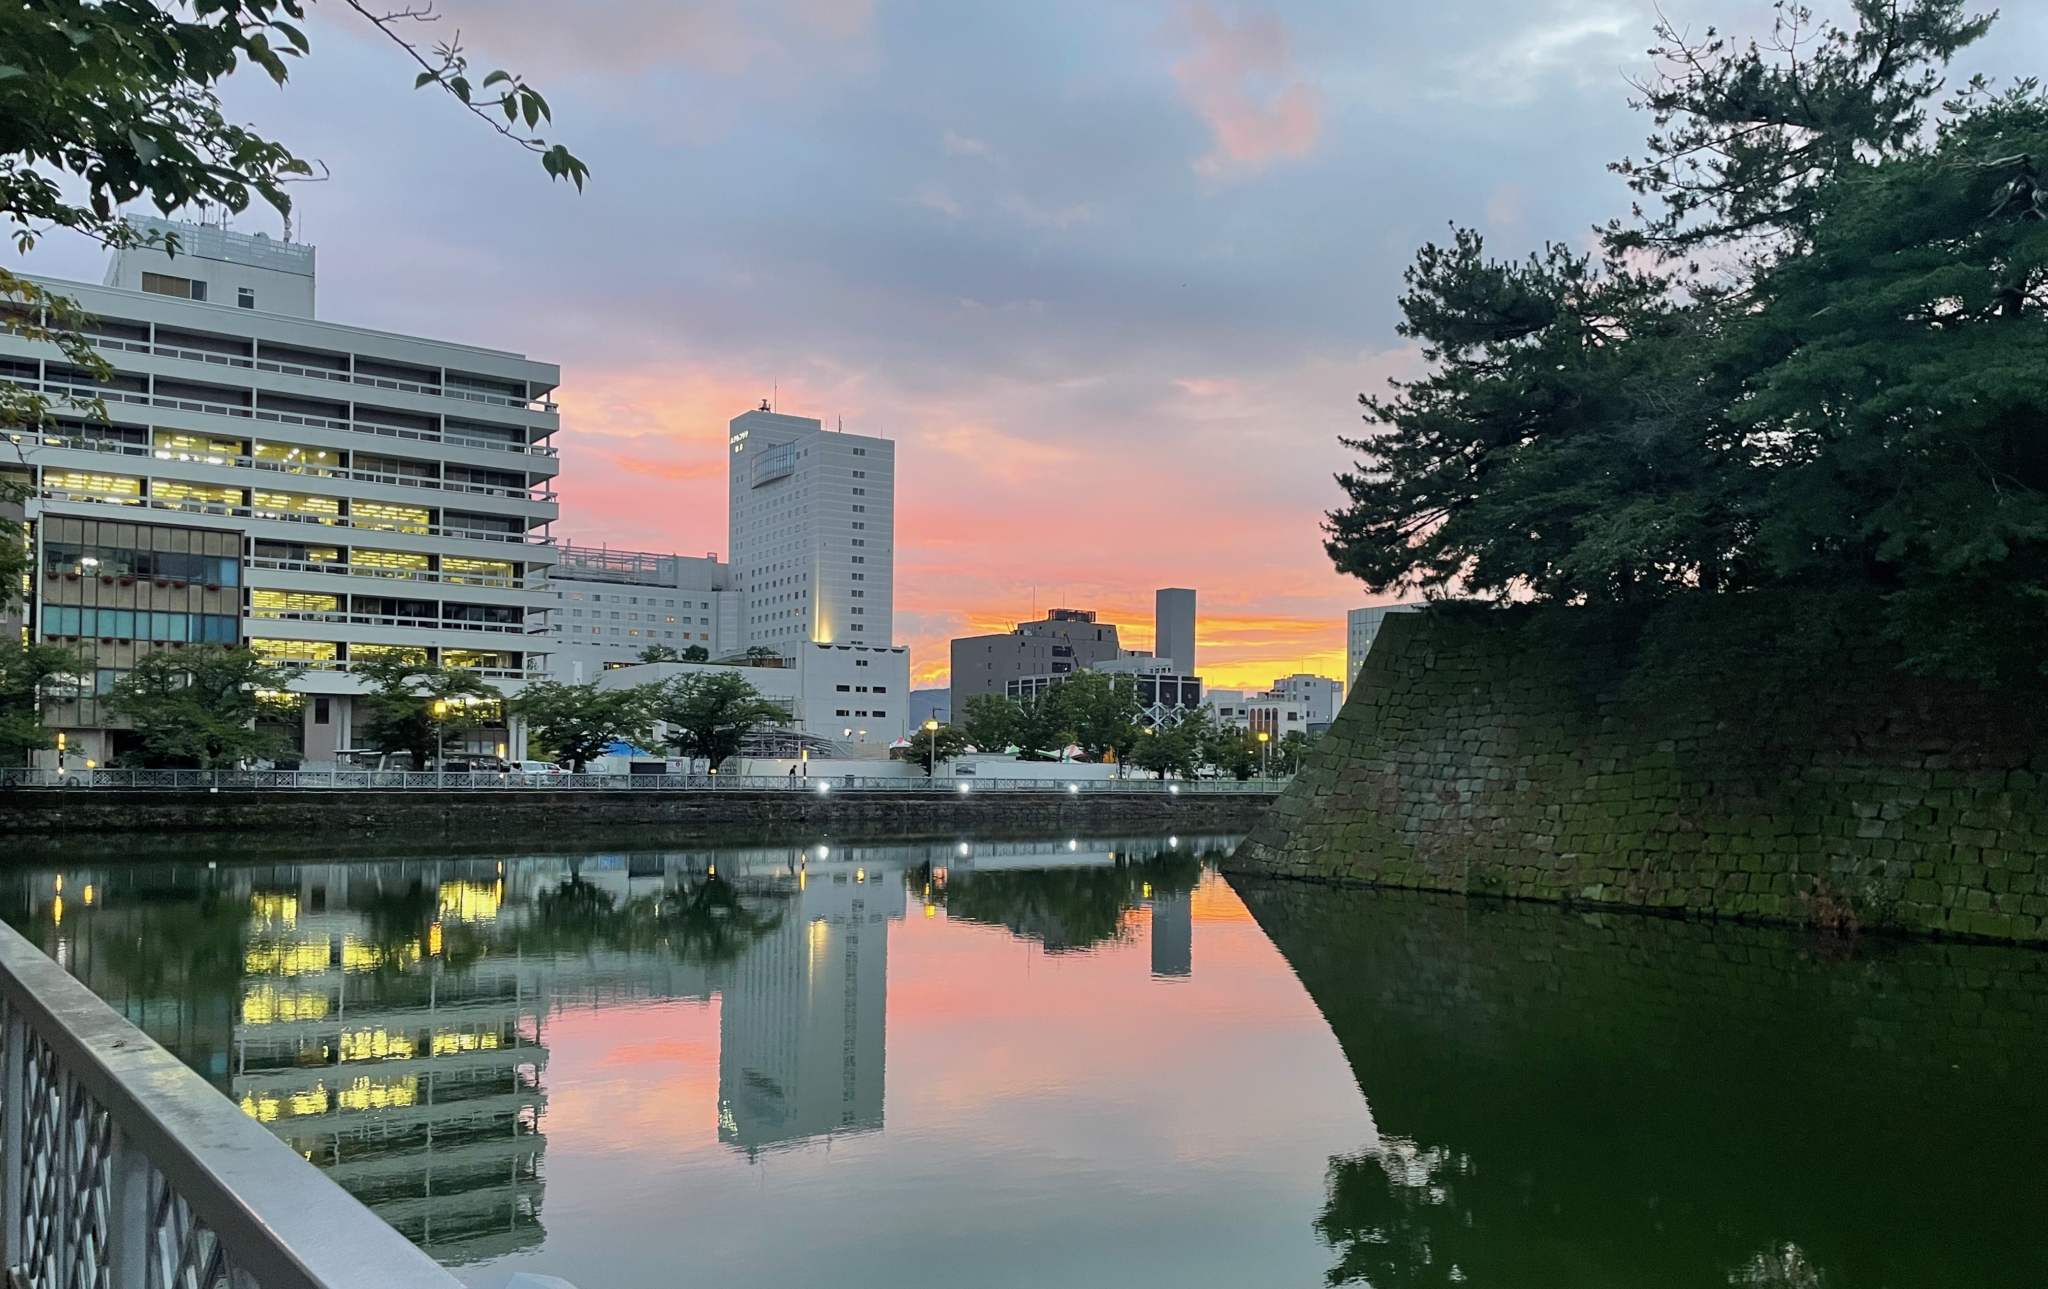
[390,1019]
[1569,1100]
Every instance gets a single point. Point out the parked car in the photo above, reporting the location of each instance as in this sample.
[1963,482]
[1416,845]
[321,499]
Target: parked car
[540,767]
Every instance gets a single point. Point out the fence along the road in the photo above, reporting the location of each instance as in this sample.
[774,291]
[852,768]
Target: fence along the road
[246,780]
[120,1168]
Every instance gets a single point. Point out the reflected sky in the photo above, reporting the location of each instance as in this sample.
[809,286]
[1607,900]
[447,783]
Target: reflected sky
[1074,1061]
[1081,1062]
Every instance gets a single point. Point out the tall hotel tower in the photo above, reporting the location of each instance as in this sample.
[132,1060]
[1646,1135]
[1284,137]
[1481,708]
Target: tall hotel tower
[813,533]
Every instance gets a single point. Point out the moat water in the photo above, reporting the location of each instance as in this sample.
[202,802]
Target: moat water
[1076,1062]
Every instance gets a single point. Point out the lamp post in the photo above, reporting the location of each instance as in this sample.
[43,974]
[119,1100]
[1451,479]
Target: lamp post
[440,735]
[931,749]
[1265,757]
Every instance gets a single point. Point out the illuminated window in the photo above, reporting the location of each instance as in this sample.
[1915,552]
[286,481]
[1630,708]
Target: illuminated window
[391,517]
[295,651]
[273,504]
[490,571]
[194,494]
[395,561]
[477,658]
[269,604]
[178,446]
[364,653]
[114,487]
[293,459]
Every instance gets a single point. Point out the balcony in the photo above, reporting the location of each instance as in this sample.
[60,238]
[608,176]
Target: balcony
[89,392]
[289,517]
[455,392]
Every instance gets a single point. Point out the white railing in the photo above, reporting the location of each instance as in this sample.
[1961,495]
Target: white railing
[415,780]
[120,1168]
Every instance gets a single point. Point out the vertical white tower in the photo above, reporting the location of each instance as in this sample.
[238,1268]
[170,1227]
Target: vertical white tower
[813,533]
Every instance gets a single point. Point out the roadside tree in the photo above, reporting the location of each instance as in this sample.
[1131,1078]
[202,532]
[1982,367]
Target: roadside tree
[927,747]
[26,671]
[199,707]
[991,722]
[414,705]
[707,715]
[576,723]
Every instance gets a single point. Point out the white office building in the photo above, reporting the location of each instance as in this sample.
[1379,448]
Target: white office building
[320,492]
[813,532]
[1319,697]
[613,606]
[1361,626]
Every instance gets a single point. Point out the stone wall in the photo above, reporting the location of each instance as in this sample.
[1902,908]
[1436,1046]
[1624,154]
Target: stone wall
[542,815]
[1518,753]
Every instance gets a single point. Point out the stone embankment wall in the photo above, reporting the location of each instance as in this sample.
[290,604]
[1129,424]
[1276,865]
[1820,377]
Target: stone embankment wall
[551,814]
[1503,753]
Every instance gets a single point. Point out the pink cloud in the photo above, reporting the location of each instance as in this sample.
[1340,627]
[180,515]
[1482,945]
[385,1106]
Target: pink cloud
[1243,83]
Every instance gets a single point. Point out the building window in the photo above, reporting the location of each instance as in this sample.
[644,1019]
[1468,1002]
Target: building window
[245,297]
[321,714]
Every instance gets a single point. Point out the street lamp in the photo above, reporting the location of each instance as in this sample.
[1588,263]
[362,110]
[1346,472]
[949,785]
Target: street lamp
[1265,760]
[931,749]
[440,736]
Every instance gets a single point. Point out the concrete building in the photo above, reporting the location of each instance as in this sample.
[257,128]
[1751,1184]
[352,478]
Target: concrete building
[1270,713]
[1054,647]
[1319,697]
[1360,627]
[812,532]
[1173,622]
[852,695]
[613,605]
[319,492]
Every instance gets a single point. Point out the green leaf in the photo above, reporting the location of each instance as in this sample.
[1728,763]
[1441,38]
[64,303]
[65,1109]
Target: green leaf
[423,80]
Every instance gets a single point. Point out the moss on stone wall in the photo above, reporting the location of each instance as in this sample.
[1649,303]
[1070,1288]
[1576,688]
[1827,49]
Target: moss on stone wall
[1528,753]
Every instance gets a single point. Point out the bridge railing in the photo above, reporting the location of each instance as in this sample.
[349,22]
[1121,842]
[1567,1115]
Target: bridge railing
[120,1168]
[416,780]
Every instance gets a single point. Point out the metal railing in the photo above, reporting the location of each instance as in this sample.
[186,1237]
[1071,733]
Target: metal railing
[120,1168]
[432,780]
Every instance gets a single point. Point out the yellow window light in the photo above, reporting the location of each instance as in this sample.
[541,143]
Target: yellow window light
[390,517]
[118,487]
[399,560]
[301,651]
[296,503]
[271,603]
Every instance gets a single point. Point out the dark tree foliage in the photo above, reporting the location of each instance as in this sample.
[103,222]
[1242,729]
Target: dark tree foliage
[1845,403]
[198,708]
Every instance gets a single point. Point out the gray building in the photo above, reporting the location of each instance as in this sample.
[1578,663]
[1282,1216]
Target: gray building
[1063,642]
[1173,617]
[612,606]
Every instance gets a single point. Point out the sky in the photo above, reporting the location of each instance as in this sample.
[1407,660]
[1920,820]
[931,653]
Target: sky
[1111,273]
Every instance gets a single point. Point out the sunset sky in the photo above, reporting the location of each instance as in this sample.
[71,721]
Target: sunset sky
[1112,273]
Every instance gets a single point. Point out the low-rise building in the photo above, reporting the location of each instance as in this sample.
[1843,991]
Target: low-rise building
[1319,697]
[612,606]
[854,696]
[1053,648]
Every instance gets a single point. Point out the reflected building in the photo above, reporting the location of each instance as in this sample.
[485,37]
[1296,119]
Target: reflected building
[1173,935]
[803,1021]
[416,1087]
[388,1019]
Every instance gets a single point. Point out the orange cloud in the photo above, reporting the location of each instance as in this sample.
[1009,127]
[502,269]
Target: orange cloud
[1243,83]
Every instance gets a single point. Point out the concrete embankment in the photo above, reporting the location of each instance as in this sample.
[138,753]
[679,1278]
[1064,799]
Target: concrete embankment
[1500,753]
[550,815]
